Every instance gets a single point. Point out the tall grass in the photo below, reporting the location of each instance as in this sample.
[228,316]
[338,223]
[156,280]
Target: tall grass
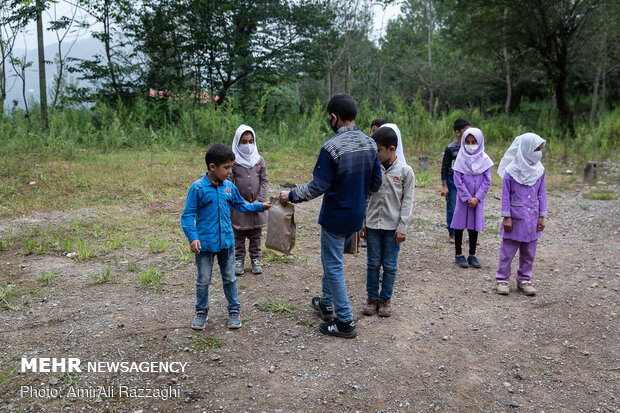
[160,124]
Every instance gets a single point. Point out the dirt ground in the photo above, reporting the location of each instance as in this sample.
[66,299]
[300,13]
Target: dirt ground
[451,345]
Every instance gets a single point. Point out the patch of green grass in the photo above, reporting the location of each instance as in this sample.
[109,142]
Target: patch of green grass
[103,277]
[203,343]
[309,323]
[152,278]
[47,278]
[424,179]
[591,239]
[29,245]
[7,375]
[601,195]
[270,255]
[84,250]
[434,246]
[72,377]
[158,245]
[132,267]
[8,294]
[279,275]
[241,286]
[184,256]
[492,230]
[7,243]
[245,320]
[279,307]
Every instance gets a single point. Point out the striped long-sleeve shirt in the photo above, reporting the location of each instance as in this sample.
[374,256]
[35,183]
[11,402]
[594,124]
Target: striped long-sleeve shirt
[347,170]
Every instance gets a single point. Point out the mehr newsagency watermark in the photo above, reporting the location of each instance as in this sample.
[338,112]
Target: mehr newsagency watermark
[74,365]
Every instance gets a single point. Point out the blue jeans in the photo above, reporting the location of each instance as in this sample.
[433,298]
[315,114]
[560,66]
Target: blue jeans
[334,289]
[204,264]
[381,250]
[450,203]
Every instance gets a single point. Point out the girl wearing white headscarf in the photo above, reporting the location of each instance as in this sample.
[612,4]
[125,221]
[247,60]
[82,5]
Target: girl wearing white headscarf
[249,174]
[524,207]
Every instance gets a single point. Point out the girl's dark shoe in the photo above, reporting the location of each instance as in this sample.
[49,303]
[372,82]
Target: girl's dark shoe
[473,262]
[337,328]
[370,308]
[461,261]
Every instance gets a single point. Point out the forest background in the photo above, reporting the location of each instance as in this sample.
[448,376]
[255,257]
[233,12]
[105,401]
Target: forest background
[184,74]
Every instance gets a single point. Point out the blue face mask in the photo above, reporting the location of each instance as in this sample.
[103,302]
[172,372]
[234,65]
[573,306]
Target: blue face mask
[246,148]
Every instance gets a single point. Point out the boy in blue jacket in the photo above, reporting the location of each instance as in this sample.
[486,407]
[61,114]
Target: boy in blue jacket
[347,170]
[206,223]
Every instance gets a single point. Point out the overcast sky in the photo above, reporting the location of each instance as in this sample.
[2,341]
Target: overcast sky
[382,16]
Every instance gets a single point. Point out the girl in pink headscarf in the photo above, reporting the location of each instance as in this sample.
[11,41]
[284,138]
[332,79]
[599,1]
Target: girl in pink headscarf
[472,178]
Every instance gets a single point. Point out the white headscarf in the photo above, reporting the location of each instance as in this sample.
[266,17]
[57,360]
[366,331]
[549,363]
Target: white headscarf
[247,160]
[472,163]
[518,162]
[399,148]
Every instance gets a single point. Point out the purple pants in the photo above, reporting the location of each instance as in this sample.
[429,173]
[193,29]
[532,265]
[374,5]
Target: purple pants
[254,235]
[527,252]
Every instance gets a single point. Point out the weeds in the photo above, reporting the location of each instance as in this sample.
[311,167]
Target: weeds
[8,293]
[424,179]
[279,307]
[203,343]
[7,243]
[84,250]
[103,277]
[601,195]
[47,278]
[270,255]
[158,245]
[7,375]
[152,278]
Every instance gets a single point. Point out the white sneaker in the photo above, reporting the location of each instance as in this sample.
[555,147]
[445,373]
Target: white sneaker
[503,288]
[526,287]
[239,268]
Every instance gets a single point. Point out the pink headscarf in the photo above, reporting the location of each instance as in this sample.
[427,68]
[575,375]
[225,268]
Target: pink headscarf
[472,163]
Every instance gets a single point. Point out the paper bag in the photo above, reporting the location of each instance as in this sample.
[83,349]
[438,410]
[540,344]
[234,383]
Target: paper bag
[353,247]
[281,227]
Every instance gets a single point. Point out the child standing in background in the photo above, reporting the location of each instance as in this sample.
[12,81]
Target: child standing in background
[249,174]
[472,178]
[448,190]
[524,208]
[385,225]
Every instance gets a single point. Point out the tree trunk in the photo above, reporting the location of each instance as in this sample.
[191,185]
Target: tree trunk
[42,81]
[597,79]
[564,109]
[507,67]
[2,75]
[108,48]
[430,59]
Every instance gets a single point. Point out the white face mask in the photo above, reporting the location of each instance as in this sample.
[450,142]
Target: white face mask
[535,157]
[246,148]
[471,148]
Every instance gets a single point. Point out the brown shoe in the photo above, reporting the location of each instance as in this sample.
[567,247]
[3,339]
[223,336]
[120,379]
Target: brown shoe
[370,308]
[451,238]
[385,308]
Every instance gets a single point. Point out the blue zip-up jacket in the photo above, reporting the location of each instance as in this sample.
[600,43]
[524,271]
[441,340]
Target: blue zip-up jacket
[347,170]
[206,216]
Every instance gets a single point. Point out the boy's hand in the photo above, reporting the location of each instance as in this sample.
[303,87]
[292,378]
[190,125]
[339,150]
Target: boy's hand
[444,190]
[266,206]
[472,202]
[363,233]
[195,246]
[507,224]
[284,198]
[398,237]
[541,224]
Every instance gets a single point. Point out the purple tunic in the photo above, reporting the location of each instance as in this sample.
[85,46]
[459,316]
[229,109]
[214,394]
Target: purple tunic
[525,204]
[252,185]
[469,186]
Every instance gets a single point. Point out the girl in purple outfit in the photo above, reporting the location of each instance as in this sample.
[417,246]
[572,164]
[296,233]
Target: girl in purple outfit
[524,208]
[472,178]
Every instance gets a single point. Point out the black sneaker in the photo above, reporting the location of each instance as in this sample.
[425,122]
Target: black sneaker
[338,329]
[325,311]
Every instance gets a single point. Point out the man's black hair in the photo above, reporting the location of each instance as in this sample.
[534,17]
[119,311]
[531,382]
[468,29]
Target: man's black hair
[460,123]
[343,106]
[378,122]
[217,154]
[385,137]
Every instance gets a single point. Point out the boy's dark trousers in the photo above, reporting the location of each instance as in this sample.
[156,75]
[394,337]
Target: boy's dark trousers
[254,235]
